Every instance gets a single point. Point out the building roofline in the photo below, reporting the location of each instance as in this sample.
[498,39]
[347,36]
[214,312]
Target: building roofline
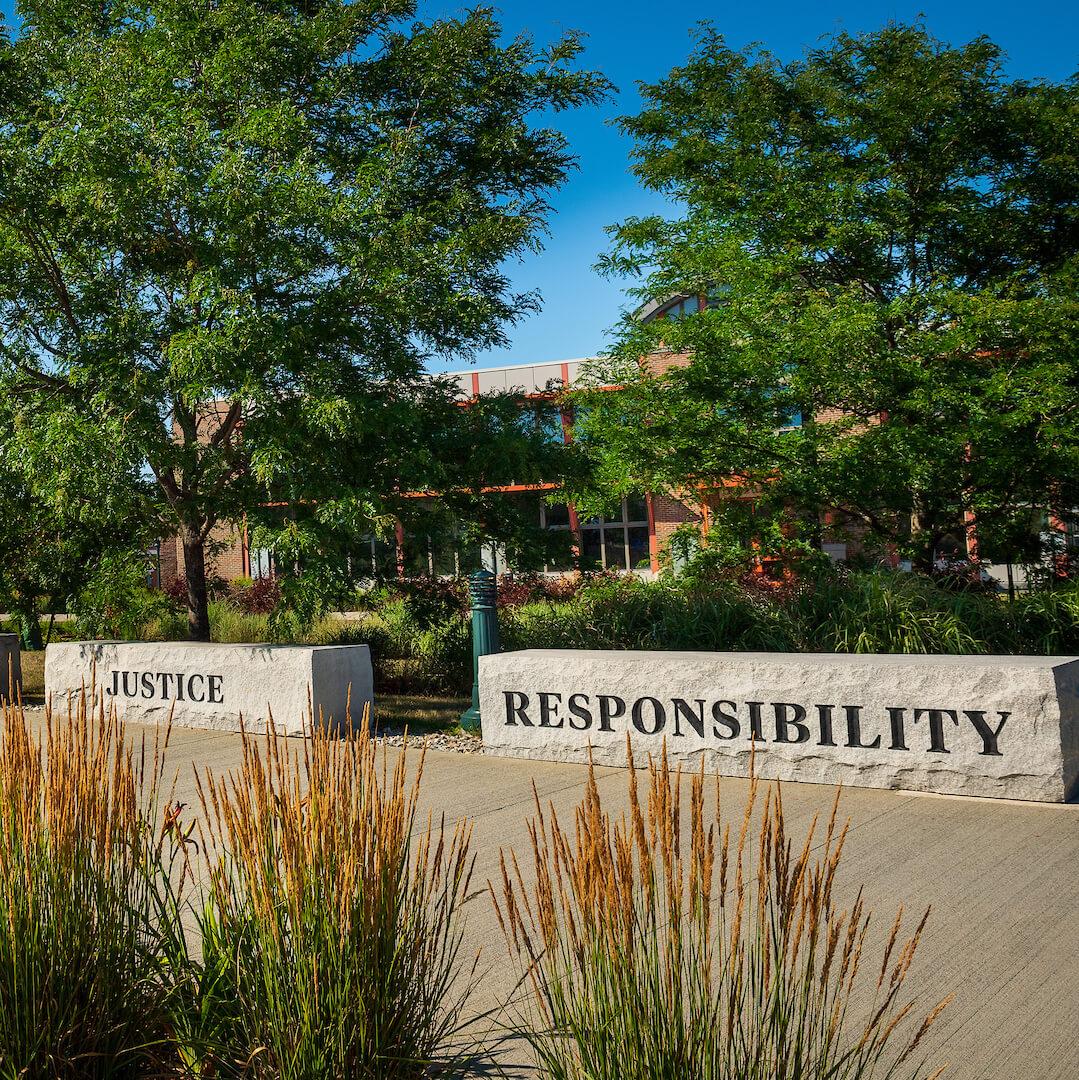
[521,367]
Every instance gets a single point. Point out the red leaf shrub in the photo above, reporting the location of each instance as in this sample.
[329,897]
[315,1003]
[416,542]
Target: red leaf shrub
[258,597]
[176,590]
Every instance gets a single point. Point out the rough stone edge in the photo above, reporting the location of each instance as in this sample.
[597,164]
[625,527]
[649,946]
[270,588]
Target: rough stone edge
[1027,787]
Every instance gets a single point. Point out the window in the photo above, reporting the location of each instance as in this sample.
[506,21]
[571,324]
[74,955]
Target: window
[680,308]
[439,554]
[263,564]
[544,419]
[619,542]
[153,565]
[555,517]
[375,556]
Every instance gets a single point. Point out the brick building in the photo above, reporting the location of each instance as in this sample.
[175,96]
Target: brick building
[630,540]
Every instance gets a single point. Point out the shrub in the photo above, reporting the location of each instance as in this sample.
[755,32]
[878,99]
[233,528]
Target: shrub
[654,951]
[176,590]
[884,612]
[254,597]
[331,933]
[117,603]
[429,601]
[86,910]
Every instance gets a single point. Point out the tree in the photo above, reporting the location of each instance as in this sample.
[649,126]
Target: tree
[888,232]
[236,232]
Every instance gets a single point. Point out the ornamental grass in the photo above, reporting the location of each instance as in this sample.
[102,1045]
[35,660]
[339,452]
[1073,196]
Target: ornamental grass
[657,947]
[87,908]
[331,929]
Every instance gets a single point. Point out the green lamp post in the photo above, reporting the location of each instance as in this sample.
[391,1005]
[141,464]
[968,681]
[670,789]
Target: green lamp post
[483,590]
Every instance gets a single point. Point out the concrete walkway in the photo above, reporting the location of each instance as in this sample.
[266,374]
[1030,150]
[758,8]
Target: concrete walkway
[1002,879]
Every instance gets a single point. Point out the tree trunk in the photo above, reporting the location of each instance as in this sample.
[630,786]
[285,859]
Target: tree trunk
[922,555]
[198,613]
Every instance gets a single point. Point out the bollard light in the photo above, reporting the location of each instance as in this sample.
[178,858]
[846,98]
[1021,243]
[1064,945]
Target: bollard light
[483,592]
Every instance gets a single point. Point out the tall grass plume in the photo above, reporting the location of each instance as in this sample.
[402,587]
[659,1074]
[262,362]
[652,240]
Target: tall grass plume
[660,945]
[85,911]
[331,930]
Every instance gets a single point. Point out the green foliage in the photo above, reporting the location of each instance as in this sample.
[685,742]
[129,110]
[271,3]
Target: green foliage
[235,236]
[711,607]
[63,487]
[117,603]
[897,613]
[887,235]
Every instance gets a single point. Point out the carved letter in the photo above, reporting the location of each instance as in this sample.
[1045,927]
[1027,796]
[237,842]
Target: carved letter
[989,736]
[755,732]
[217,695]
[854,729]
[580,712]
[936,727]
[191,687]
[547,714]
[895,718]
[607,713]
[694,717]
[659,717]
[517,710]
[728,719]
[785,722]
[824,714]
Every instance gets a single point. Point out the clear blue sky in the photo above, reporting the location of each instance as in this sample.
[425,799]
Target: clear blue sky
[631,41]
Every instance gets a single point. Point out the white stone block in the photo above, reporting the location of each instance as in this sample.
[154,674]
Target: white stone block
[1000,726]
[10,668]
[213,686]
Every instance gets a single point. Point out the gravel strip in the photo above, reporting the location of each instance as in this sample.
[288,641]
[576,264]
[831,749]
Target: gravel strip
[460,742]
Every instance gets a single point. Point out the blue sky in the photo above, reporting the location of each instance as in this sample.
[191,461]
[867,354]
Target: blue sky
[631,41]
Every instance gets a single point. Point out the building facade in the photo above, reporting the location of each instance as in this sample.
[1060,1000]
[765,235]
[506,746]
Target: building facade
[629,539]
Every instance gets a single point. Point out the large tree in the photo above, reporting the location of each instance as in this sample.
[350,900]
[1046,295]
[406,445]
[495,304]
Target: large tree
[888,234]
[237,231]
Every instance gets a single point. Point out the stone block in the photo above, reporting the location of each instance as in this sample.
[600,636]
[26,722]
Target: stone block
[10,668]
[213,686]
[999,726]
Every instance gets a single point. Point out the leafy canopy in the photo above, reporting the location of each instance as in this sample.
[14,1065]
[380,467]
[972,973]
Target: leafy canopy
[238,231]
[888,231]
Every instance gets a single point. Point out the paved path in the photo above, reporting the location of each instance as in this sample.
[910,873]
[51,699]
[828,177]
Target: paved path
[1003,880]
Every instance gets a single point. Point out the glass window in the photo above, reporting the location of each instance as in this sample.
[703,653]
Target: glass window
[556,516]
[262,563]
[591,549]
[636,509]
[444,555]
[686,305]
[614,548]
[384,557]
[619,540]
[550,423]
[640,557]
[544,419]
[417,556]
